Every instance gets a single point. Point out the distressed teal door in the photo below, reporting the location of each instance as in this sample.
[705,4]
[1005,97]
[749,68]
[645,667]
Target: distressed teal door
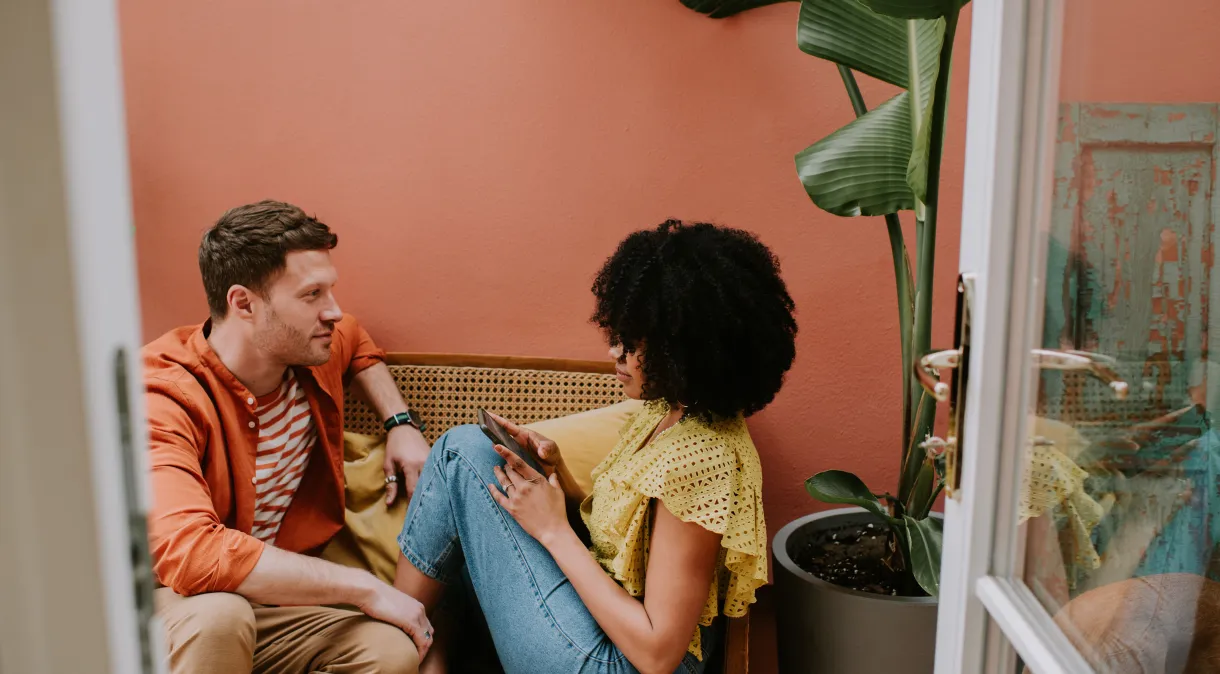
[1130,260]
[1130,276]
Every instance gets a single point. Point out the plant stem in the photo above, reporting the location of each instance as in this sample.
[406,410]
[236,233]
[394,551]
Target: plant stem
[853,90]
[906,307]
[912,454]
[902,270]
[926,253]
[924,416]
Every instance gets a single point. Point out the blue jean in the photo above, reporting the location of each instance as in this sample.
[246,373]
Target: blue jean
[537,620]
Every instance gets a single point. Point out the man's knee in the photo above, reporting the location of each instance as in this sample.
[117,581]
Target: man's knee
[222,614]
[216,628]
[388,648]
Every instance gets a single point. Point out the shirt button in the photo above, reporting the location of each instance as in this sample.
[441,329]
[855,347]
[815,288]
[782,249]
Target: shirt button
[251,424]
[250,400]
[253,480]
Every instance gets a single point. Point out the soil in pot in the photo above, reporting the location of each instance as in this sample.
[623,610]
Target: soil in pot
[851,556]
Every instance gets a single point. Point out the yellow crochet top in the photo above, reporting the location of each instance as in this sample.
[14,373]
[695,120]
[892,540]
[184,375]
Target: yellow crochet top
[1054,483]
[703,473]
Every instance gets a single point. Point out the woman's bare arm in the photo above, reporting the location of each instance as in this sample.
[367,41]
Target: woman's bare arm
[653,634]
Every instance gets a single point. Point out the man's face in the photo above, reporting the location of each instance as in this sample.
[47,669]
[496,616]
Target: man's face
[299,310]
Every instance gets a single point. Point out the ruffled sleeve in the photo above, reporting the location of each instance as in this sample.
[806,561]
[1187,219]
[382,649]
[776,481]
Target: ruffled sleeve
[710,475]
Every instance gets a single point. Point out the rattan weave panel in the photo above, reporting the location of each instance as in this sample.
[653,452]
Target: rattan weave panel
[447,396]
[1083,400]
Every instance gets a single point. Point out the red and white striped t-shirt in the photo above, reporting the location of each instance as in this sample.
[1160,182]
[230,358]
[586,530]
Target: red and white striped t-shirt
[286,435]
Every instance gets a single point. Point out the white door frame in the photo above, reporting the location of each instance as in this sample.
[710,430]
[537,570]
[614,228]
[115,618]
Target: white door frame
[72,503]
[1013,95]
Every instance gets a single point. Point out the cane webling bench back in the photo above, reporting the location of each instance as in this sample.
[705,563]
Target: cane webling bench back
[447,389]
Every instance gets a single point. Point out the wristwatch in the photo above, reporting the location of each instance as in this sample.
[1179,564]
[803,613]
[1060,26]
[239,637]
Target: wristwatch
[408,418]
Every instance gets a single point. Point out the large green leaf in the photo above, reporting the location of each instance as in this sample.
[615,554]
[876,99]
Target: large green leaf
[924,67]
[840,486]
[861,169]
[848,33]
[925,537]
[719,9]
[914,9]
[917,168]
[901,52]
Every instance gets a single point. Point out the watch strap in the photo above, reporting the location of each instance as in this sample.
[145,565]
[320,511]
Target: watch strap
[407,418]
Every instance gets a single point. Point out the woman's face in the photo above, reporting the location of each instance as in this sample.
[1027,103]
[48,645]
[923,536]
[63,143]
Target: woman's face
[629,370]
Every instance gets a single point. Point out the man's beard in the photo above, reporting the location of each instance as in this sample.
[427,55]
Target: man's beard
[289,345]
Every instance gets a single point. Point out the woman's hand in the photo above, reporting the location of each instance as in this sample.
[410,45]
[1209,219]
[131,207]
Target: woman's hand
[533,499]
[544,449]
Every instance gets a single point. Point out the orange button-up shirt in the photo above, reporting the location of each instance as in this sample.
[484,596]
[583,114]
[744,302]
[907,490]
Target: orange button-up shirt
[203,437]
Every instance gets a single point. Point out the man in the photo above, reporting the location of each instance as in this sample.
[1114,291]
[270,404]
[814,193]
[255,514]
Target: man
[245,417]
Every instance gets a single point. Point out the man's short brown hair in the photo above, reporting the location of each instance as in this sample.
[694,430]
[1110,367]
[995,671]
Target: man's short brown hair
[248,245]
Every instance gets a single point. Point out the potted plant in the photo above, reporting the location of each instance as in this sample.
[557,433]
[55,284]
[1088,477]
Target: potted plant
[857,587]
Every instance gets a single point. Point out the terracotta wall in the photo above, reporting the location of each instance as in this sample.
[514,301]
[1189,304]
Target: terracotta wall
[479,161]
[1119,51]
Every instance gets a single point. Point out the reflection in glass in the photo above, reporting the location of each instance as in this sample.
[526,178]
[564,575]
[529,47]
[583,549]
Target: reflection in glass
[1120,498]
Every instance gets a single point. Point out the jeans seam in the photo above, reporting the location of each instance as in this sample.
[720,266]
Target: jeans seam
[529,571]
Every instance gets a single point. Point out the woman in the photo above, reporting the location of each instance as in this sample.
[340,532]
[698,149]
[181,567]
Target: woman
[702,329]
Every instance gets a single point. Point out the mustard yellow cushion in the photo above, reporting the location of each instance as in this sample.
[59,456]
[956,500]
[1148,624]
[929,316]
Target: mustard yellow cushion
[370,538]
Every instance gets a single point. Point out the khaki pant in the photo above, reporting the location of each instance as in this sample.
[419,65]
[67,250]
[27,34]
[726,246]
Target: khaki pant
[223,633]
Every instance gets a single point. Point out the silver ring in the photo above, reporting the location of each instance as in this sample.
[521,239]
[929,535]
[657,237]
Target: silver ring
[427,635]
[391,478]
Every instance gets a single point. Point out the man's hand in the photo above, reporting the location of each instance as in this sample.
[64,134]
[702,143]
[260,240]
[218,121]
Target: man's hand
[405,453]
[405,447]
[390,605]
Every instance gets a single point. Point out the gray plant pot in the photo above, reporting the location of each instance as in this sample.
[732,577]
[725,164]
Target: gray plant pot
[822,628]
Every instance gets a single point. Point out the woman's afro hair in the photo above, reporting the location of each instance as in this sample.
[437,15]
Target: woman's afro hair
[707,312]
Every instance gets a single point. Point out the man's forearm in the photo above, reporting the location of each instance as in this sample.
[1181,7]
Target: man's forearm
[287,579]
[283,578]
[380,391]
